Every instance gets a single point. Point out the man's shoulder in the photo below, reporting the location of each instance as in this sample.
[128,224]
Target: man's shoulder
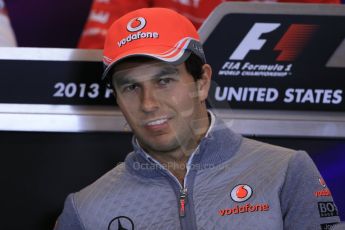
[111,180]
[252,143]
[265,150]
[241,148]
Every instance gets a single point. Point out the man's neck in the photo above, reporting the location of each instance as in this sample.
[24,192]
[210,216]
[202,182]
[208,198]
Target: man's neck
[176,161]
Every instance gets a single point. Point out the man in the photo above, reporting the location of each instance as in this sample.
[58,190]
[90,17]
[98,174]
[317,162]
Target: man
[104,12]
[188,170]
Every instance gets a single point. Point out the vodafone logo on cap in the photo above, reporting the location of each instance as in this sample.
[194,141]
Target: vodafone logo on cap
[133,26]
[136,24]
[241,193]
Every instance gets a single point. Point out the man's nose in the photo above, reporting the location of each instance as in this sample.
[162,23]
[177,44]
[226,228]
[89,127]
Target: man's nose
[149,102]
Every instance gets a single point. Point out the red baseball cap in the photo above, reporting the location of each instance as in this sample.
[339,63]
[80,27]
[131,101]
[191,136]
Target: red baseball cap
[157,33]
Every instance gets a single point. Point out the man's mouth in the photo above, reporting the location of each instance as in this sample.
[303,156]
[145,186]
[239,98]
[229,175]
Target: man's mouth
[157,122]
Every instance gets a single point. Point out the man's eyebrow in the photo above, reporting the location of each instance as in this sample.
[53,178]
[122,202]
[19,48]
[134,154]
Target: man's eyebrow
[122,80]
[166,70]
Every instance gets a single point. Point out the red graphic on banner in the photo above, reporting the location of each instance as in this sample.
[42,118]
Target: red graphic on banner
[294,40]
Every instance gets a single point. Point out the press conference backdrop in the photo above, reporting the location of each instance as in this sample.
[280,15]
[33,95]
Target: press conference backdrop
[61,129]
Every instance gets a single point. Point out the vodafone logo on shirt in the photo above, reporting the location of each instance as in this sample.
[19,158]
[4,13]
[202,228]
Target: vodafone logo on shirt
[241,193]
[323,192]
[322,182]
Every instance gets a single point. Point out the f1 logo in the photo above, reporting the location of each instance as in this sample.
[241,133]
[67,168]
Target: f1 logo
[289,46]
[252,40]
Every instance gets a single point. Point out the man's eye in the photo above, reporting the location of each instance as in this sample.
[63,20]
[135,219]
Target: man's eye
[130,88]
[164,81]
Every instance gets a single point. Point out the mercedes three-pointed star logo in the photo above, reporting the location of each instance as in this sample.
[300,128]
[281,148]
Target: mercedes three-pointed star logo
[121,223]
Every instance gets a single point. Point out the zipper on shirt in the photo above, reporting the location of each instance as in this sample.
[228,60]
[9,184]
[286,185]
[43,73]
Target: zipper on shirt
[186,220]
[183,200]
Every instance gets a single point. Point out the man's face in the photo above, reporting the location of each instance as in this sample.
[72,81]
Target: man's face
[162,104]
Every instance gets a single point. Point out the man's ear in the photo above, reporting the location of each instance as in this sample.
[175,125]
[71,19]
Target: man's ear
[204,82]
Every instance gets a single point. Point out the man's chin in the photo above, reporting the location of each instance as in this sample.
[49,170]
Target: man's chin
[160,146]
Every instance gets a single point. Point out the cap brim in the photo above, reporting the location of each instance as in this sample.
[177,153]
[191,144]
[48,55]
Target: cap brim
[178,56]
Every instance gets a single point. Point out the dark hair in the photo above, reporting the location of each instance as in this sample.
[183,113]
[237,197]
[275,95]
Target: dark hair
[194,66]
